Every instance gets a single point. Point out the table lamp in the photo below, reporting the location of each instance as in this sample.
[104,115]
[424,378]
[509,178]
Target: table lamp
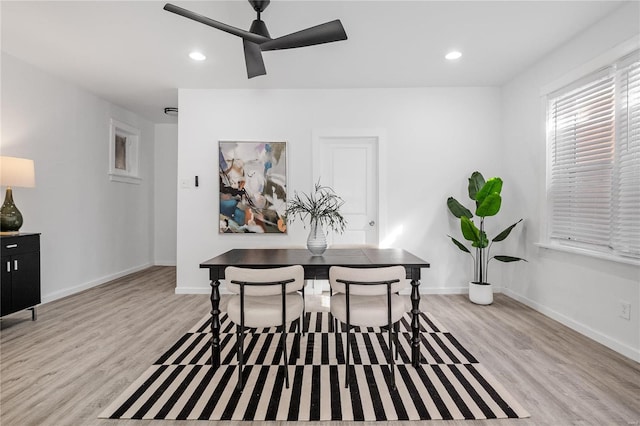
[14,172]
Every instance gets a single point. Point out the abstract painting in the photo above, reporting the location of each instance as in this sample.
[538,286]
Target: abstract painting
[253,187]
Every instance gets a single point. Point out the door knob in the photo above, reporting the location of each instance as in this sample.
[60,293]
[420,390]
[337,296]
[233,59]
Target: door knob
[372,223]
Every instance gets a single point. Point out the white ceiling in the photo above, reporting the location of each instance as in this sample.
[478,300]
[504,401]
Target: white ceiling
[134,54]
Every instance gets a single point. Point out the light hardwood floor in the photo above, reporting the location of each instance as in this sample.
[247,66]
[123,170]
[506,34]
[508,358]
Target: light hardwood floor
[85,349]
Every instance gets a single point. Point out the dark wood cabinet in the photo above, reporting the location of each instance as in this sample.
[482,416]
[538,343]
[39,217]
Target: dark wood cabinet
[20,277]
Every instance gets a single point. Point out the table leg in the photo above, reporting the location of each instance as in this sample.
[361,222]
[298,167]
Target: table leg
[415,323]
[215,324]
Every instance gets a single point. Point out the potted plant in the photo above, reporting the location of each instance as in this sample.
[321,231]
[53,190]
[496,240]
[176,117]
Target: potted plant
[322,209]
[488,201]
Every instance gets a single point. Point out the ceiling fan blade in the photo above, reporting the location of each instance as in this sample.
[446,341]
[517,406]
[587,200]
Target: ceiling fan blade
[323,33]
[246,35]
[253,59]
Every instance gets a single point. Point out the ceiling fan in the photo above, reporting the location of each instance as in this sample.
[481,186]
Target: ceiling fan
[257,39]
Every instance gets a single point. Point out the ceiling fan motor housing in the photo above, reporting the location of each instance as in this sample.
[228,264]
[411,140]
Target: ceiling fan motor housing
[259,27]
[259,5]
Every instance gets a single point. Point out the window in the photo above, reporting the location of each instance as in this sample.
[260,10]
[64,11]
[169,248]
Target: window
[593,132]
[123,153]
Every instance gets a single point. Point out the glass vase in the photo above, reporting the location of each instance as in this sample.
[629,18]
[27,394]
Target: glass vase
[316,242]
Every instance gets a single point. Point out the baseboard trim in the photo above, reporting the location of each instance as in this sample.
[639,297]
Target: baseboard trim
[165,263]
[73,290]
[450,290]
[619,347]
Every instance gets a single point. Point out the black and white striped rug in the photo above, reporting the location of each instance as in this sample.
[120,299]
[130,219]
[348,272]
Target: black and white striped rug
[450,383]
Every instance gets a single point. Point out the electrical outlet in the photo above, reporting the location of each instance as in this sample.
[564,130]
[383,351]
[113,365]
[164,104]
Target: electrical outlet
[625,310]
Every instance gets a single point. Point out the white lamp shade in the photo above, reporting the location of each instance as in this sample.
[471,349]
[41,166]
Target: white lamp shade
[18,172]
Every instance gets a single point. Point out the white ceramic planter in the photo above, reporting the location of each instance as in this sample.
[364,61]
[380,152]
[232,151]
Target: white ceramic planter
[481,294]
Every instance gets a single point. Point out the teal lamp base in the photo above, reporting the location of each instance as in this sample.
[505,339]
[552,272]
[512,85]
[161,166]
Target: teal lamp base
[10,216]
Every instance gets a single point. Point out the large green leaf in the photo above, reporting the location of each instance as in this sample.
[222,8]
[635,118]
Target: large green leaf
[482,242]
[492,186]
[504,234]
[476,182]
[469,230]
[490,206]
[459,244]
[508,258]
[458,209]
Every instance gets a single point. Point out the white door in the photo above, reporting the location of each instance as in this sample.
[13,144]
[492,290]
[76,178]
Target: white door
[347,161]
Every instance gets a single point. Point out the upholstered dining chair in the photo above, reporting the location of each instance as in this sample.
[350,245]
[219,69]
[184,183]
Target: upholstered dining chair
[368,297]
[264,298]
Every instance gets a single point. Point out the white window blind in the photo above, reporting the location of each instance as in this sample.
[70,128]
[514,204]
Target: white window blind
[626,197]
[594,139]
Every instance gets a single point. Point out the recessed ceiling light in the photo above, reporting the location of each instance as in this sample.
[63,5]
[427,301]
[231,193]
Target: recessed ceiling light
[197,56]
[453,55]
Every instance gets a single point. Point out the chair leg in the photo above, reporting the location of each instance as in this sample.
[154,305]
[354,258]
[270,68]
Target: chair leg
[240,340]
[283,336]
[283,339]
[299,338]
[391,341]
[391,328]
[304,308]
[396,329]
[336,335]
[240,349]
[393,377]
[333,322]
[347,360]
[348,339]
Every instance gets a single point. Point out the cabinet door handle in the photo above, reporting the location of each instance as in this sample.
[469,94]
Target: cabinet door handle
[15,265]
[8,266]
[11,246]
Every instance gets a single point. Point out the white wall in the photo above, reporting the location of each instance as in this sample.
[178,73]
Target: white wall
[435,138]
[165,194]
[92,229]
[582,292]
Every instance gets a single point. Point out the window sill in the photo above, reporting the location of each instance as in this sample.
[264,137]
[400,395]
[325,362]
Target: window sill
[124,179]
[590,253]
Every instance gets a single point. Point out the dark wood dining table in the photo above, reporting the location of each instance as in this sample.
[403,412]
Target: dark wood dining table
[315,268]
